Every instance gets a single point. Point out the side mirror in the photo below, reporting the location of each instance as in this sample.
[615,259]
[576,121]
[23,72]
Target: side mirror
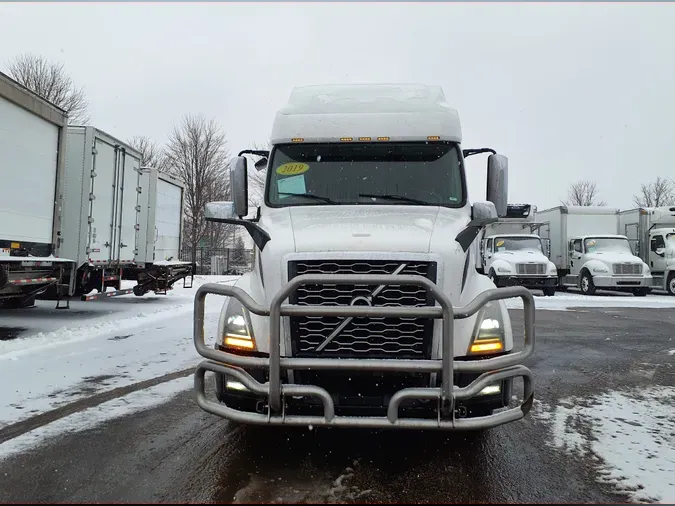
[660,251]
[498,182]
[220,211]
[484,211]
[239,185]
[261,164]
[547,247]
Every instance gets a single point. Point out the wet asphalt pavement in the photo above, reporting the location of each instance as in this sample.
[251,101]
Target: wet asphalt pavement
[176,452]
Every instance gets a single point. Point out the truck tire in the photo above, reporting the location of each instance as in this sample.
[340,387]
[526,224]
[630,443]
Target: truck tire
[586,284]
[549,291]
[670,285]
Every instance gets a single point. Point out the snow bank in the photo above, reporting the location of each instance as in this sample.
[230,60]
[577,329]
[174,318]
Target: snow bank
[97,415]
[630,436]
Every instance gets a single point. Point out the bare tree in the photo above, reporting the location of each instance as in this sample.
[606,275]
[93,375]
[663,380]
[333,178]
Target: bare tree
[583,193]
[152,155]
[657,193]
[50,81]
[197,155]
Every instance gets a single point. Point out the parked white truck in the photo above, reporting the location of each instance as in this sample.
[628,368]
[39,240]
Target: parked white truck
[77,210]
[366,230]
[511,254]
[589,252]
[651,232]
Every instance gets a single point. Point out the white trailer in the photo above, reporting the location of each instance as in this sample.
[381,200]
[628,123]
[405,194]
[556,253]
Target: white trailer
[73,203]
[100,210]
[651,232]
[159,235]
[511,253]
[589,252]
[32,162]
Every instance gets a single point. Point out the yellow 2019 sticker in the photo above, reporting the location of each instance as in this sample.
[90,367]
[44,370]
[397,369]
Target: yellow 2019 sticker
[292,169]
[500,243]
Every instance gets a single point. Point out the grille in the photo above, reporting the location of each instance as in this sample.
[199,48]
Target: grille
[362,337]
[627,268]
[531,268]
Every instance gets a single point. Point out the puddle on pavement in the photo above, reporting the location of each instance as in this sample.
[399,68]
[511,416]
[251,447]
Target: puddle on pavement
[8,333]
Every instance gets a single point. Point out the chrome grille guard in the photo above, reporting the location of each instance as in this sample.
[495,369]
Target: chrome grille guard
[492,369]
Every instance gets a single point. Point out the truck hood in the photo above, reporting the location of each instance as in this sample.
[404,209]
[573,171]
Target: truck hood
[521,256]
[364,228]
[613,257]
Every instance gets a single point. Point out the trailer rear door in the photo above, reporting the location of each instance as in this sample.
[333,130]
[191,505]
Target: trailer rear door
[102,205]
[127,207]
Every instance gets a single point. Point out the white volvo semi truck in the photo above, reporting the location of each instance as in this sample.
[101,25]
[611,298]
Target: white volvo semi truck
[364,307]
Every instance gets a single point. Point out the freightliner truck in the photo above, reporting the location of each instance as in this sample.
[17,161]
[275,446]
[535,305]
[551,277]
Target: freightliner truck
[364,307]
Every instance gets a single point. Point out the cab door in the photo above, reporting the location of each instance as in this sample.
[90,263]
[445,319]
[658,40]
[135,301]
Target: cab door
[657,254]
[576,258]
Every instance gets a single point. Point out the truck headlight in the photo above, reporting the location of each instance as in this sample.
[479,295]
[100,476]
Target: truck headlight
[503,269]
[488,335]
[237,332]
[600,269]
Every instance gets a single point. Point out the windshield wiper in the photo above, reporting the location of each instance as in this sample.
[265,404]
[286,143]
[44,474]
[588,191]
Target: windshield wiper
[310,196]
[395,197]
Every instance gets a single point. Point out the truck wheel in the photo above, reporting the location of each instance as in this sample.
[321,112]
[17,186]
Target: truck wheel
[586,284]
[670,285]
[549,291]
[493,277]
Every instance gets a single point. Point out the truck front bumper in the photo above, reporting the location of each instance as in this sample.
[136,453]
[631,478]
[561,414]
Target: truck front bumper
[491,371]
[622,281]
[527,281]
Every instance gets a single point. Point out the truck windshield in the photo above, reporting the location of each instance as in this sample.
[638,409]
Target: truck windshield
[374,173]
[670,239]
[607,244]
[517,244]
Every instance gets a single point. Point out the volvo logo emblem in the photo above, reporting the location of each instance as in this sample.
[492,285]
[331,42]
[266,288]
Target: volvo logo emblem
[361,301]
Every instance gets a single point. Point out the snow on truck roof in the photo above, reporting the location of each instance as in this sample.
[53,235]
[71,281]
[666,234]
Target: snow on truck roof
[363,112]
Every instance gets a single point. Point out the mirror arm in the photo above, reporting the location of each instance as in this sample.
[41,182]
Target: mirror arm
[259,236]
[469,233]
[466,153]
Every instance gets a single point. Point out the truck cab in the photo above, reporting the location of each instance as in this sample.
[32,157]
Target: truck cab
[364,307]
[650,231]
[512,257]
[607,262]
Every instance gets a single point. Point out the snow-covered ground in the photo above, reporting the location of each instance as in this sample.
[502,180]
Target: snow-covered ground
[562,301]
[97,346]
[629,435]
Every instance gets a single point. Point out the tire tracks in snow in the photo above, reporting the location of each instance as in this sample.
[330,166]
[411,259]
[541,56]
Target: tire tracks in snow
[18,429]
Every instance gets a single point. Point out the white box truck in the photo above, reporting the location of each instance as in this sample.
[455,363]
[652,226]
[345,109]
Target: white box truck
[589,252]
[511,253]
[364,307]
[651,232]
[32,162]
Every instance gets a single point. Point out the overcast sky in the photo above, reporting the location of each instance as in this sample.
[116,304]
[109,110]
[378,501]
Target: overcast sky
[565,91]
